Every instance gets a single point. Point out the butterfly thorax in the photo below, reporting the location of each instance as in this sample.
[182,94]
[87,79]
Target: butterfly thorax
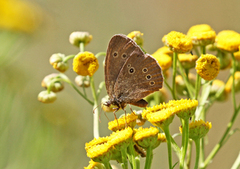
[116,102]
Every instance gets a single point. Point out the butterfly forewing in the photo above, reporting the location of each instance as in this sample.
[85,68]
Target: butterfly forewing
[119,50]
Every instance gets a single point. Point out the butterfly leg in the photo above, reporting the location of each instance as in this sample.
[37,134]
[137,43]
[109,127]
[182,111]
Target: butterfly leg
[125,118]
[114,112]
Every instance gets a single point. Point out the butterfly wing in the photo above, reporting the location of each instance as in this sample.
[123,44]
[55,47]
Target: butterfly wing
[119,50]
[139,76]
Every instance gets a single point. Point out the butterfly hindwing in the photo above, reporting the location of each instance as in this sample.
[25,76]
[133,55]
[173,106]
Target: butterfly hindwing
[119,50]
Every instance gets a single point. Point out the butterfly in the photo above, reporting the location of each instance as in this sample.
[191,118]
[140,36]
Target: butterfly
[130,74]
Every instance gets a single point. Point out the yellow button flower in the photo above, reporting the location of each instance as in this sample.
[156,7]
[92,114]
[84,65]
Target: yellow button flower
[19,15]
[198,129]
[146,137]
[208,66]
[119,124]
[121,138]
[184,108]
[188,61]
[164,50]
[85,63]
[96,141]
[202,34]
[100,153]
[228,40]
[163,60]
[177,42]
[137,36]
[228,86]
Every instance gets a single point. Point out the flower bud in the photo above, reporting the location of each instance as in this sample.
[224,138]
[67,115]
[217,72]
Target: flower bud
[137,36]
[56,60]
[229,83]
[49,82]
[82,81]
[46,97]
[76,38]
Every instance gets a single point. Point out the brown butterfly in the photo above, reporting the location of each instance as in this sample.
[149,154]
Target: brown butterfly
[130,75]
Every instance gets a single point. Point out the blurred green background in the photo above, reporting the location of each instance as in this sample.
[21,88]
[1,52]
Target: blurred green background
[34,135]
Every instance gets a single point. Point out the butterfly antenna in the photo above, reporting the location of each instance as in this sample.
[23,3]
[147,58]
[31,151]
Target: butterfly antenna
[96,107]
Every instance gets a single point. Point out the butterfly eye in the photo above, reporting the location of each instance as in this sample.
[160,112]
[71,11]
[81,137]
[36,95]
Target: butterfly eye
[148,77]
[144,70]
[124,55]
[131,70]
[115,54]
[152,83]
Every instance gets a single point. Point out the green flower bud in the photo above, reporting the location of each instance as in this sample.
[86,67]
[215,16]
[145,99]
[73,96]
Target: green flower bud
[82,81]
[76,38]
[49,82]
[57,61]
[46,97]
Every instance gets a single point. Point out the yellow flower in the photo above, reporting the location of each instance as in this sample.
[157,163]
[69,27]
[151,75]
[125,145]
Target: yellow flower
[218,85]
[121,138]
[163,60]
[100,153]
[188,61]
[228,86]
[85,63]
[119,124]
[228,40]
[164,50]
[198,129]
[19,15]
[96,141]
[177,42]
[208,66]
[137,36]
[94,165]
[161,118]
[154,109]
[146,137]
[202,34]
[184,108]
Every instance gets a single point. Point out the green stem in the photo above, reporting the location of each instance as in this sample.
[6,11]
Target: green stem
[189,154]
[137,159]
[65,59]
[175,147]
[186,81]
[65,79]
[149,158]
[222,141]
[203,50]
[185,126]
[197,143]
[124,158]
[175,55]
[168,137]
[197,86]
[168,86]
[132,156]
[82,47]
[100,54]
[95,110]
[107,165]
[233,81]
